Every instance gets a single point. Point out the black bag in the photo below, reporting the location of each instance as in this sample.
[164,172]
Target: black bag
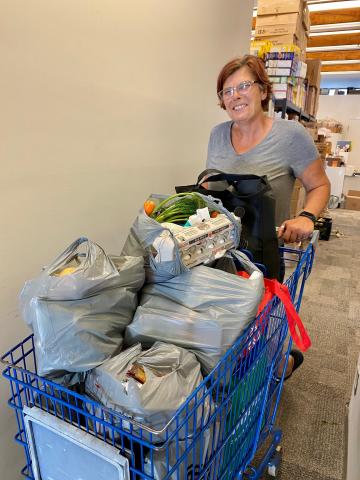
[251,198]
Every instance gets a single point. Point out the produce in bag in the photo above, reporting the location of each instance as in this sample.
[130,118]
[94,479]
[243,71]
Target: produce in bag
[203,310]
[79,306]
[149,387]
[170,249]
[178,208]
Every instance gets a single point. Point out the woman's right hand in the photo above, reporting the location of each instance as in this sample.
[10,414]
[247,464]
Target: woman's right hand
[296,229]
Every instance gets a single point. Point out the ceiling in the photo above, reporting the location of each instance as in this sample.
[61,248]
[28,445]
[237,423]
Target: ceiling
[335,40]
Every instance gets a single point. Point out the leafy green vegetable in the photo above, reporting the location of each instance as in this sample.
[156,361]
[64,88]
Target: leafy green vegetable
[178,208]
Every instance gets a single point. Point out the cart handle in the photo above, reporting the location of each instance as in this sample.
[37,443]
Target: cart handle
[315,238]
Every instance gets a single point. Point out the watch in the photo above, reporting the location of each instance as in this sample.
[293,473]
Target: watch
[308,215]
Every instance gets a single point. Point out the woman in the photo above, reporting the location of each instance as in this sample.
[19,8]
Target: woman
[251,142]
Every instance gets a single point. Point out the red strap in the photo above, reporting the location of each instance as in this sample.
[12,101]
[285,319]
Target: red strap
[268,296]
[296,327]
[273,287]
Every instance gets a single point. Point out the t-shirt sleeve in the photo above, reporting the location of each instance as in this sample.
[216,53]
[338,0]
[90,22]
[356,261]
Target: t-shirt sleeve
[302,148]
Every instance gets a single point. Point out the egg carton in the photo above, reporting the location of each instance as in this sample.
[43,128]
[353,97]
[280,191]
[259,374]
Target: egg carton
[206,241]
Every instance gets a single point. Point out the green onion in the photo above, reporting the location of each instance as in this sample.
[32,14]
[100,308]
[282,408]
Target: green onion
[178,207]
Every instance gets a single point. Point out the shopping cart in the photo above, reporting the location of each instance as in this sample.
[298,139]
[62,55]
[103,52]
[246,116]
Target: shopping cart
[66,434]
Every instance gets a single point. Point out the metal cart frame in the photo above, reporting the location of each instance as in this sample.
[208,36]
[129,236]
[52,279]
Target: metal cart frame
[234,407]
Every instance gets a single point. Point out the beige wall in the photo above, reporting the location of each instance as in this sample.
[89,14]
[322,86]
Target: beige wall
[340,107]
[102,102]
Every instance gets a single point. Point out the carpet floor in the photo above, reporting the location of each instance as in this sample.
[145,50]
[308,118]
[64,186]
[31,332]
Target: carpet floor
[313,405]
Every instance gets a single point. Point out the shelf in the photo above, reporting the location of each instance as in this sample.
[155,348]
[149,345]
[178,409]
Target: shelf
[284,106]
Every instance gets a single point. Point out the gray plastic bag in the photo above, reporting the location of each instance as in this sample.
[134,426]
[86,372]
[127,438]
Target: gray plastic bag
[160,462]
[79,306]
[149,386]
[145,230]
[204,310]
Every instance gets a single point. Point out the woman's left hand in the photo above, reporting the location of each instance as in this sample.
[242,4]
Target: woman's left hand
[296,230]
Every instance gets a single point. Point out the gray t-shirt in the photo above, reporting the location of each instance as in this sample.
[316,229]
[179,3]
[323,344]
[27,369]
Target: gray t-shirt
[282,156]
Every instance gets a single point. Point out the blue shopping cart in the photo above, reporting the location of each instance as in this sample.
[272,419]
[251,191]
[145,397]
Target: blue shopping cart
[67,435]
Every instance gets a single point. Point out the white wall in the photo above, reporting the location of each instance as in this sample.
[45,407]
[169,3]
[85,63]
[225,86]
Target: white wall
[340,107]
[346,109]
[102,102]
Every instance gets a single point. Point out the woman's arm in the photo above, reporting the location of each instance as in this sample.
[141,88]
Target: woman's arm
[317,188]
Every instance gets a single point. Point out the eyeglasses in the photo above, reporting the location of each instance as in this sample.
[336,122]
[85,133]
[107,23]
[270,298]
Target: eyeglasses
[229,92]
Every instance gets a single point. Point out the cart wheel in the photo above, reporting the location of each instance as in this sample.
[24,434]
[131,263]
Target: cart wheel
[273,465]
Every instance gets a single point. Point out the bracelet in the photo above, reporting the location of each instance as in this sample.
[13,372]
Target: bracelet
[308,215]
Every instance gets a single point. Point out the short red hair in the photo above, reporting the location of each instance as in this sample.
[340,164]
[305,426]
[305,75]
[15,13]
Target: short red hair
[257,68]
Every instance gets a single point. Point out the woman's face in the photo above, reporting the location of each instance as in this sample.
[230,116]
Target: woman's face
[244,105]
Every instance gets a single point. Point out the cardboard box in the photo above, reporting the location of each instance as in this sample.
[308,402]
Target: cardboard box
[316,103]
[290,38]
[285,8]
[269,7]
[303,37]
[352,200]
[312,101]
[287,39]
[306,18]
[303,55]
[268,25]
[313,73]
[297,199]
[286,19]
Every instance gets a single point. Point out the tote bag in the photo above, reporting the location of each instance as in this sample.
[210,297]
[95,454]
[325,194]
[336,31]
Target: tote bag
[250,197]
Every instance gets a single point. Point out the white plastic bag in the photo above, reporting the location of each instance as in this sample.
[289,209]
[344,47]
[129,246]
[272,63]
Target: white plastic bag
[79,306]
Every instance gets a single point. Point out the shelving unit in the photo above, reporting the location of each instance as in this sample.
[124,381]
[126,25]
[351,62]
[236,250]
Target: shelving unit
[284,106]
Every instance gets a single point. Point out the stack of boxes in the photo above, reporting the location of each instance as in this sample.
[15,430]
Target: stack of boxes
[285,25]
[283,22]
